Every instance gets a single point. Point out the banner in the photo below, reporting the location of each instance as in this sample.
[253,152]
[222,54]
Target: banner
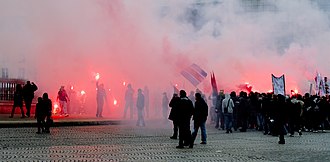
[278,85]
[194,74]
[319,85]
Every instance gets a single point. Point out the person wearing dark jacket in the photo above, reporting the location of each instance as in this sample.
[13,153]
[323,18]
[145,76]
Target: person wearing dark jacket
[28,95]
[47,107]
[174,104]
[200,116]
[18,101]
[40,115]
[280,117]
[184,116]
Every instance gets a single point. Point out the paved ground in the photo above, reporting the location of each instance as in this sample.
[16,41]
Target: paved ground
[126,142]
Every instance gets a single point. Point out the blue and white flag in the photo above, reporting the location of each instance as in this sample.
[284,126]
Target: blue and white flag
[320,85]
[278,85]
[194,74]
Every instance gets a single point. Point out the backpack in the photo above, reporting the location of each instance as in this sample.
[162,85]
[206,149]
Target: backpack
[225,110]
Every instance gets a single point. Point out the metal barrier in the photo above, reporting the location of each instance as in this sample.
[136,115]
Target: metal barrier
[7,88]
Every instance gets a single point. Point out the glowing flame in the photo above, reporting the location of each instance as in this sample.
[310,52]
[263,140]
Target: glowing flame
[115,102]
[270,91]
[82,92]
[124,83]
[56,108]
[97,76]
[71,87]
[294,92]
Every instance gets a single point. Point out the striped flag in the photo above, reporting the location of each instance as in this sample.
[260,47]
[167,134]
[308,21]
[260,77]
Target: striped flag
[194,74]
[278,85]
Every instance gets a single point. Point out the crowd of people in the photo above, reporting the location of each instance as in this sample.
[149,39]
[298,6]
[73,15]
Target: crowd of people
[275,115]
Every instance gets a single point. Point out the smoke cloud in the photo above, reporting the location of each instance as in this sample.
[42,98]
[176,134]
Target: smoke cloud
[148,43]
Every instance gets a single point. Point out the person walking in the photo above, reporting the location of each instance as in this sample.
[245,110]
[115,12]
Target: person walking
[200,116]
[28,95]
[63,98]
[18,101]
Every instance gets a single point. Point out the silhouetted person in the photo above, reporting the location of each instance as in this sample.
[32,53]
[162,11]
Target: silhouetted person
[280,117]
[185,111]
[40,115]
[200,116]
[100,98]
[165,103]
[28,95]
[174,104]
[242,112]
[219,121]
[63,99]
[129,101]
[18,101]
[47,106]
[140,107]
[146,100]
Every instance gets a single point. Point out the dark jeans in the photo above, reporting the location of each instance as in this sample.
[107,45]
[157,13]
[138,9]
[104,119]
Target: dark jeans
[28,103]
[184,133]
[175,129]
[41,124]
[219,121]
[13,110]
[197,125]
[228,120]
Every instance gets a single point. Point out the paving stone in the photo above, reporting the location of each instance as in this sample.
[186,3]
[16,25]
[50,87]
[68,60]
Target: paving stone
[152,143]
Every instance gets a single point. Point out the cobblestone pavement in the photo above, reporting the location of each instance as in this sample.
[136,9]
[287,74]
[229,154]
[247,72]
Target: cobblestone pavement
[152,143]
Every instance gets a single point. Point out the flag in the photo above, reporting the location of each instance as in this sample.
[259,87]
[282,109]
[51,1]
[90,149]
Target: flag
[194,74]
[214,84]
[278,85]
[176,90]
[320,85]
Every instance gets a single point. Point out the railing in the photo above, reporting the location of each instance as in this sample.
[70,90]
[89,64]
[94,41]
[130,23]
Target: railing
[7,88]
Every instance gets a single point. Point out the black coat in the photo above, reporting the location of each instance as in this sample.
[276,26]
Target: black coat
[174,104]
[200,111]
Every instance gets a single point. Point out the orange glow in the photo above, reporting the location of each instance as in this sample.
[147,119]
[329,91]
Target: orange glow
[124,83]
[270,91]
[56,108]
[296,91]
[97,76]
[82,92]
[71,87]
[115,102]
